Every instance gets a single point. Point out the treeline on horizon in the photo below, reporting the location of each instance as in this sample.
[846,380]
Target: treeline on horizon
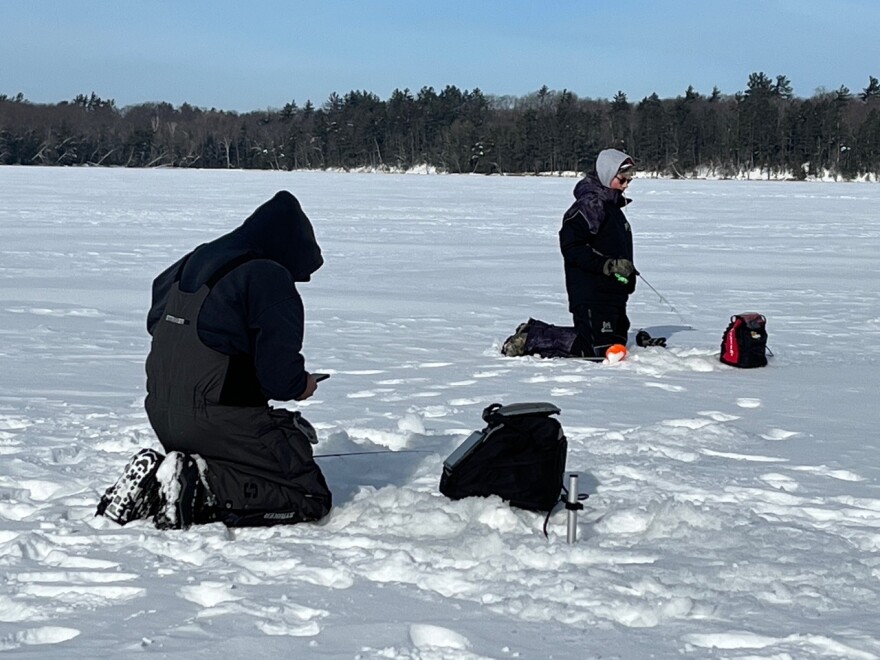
[765,127]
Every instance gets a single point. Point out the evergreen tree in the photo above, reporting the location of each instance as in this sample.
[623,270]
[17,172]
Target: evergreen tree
[758,124]
[868,144]
[686,140]
[651,143]
[764,127]
[783,89]
[872,91]
[621,127]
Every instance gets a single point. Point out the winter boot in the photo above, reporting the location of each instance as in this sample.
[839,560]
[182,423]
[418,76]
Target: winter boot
[135,495]
[184,492]
[515,345]
[644,339]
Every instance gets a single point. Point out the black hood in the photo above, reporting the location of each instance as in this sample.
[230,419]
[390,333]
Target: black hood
[279,230]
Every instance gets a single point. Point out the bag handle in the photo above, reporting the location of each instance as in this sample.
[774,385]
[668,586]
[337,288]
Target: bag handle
[749,317]
[497,412]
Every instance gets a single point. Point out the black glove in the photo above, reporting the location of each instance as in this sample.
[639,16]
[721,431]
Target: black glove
[615,267]
[644,339]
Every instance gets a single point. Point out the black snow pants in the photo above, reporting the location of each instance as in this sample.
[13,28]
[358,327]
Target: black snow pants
[261,469]
[598,327]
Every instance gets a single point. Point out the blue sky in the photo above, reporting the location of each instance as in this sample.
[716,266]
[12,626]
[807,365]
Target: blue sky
[255,54]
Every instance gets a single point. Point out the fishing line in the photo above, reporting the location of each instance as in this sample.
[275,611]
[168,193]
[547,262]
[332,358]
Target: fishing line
[660,295]
[378,451]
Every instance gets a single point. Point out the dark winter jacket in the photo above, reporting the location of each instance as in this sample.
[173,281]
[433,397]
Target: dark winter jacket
[594,229]
[254,313]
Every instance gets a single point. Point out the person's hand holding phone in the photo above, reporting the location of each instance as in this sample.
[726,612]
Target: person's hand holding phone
[312,381]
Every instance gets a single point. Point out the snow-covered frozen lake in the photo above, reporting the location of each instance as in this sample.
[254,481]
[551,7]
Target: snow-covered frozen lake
[733,513]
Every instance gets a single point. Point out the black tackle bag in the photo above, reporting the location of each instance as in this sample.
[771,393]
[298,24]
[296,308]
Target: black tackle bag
[519,456]
[744,343]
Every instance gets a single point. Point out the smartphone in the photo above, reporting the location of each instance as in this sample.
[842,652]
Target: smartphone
[319,377]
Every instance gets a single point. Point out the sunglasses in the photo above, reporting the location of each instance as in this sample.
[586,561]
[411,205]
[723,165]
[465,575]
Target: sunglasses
[626,177]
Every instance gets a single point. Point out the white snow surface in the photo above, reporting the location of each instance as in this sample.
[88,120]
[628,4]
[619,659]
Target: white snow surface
[732,513]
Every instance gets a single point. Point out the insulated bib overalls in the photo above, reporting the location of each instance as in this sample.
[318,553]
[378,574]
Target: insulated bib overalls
[261,469]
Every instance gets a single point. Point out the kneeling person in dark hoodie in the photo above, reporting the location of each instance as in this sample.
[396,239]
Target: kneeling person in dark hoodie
[227,329]
[597,248]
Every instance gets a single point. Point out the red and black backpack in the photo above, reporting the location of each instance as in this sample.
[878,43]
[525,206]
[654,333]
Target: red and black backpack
[744,343]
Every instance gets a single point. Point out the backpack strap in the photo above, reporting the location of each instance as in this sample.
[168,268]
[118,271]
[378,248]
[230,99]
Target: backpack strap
[181,267]
[569,506]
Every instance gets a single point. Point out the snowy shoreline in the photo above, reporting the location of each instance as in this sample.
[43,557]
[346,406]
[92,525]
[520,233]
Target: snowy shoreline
[703,175]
